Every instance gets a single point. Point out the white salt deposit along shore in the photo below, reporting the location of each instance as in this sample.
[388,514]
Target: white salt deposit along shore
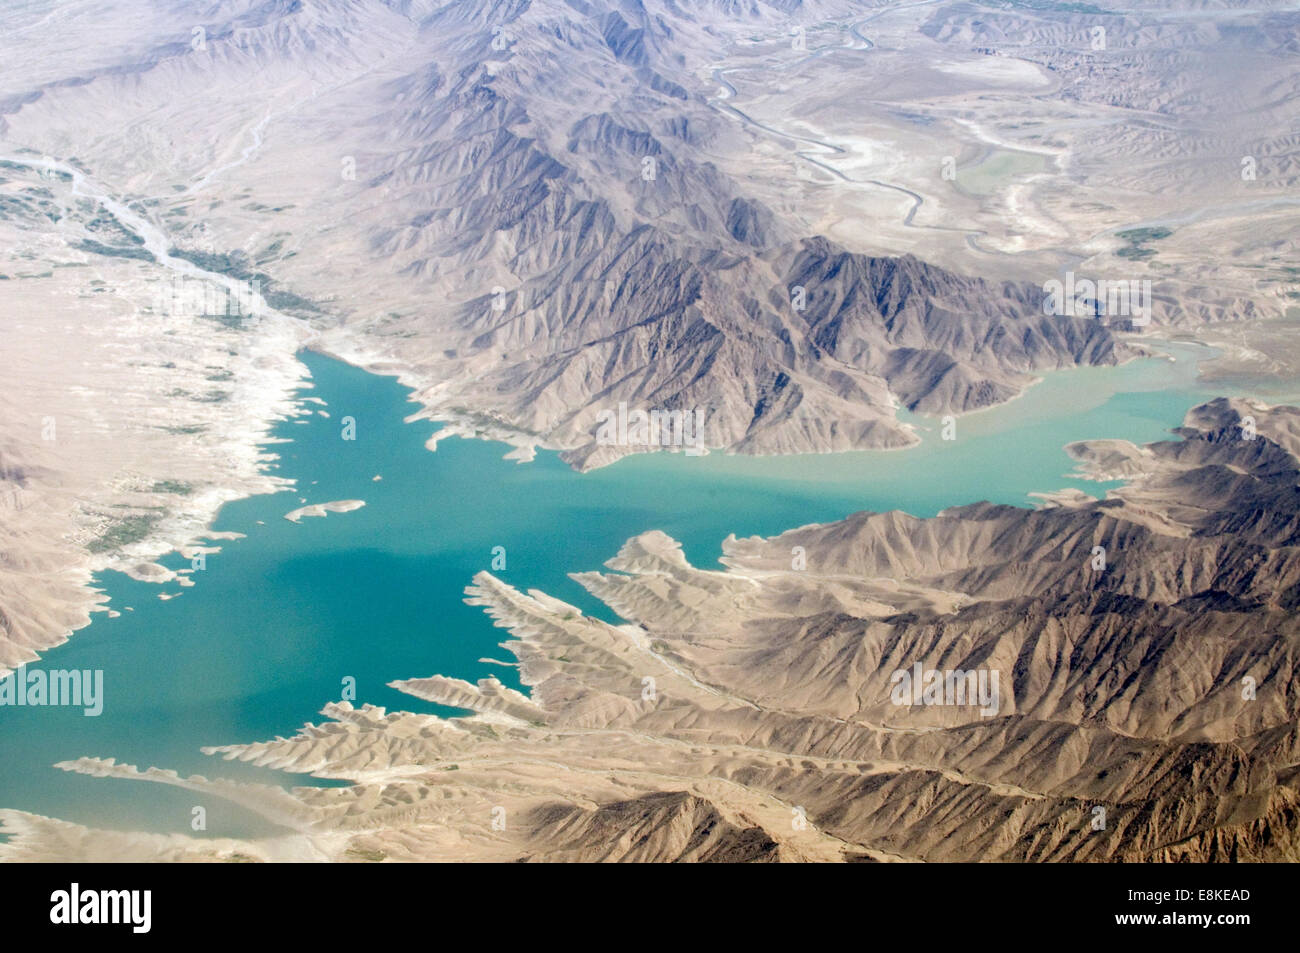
[322,509]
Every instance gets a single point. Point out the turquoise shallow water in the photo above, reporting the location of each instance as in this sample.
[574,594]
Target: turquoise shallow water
[279,618]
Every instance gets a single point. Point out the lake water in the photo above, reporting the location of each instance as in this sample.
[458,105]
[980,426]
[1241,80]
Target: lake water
[278,619]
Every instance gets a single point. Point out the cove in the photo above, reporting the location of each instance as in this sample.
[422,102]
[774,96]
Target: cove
[280,618]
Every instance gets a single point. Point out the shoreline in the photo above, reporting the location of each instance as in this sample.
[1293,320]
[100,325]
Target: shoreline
[193,532]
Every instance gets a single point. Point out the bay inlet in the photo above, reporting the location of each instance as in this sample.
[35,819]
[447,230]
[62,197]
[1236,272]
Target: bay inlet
[280,619]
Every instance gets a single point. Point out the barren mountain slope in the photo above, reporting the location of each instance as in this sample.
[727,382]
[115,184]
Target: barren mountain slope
[532,243]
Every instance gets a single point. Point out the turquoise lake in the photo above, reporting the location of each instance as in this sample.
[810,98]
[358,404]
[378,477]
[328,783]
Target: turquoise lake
[279,618]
